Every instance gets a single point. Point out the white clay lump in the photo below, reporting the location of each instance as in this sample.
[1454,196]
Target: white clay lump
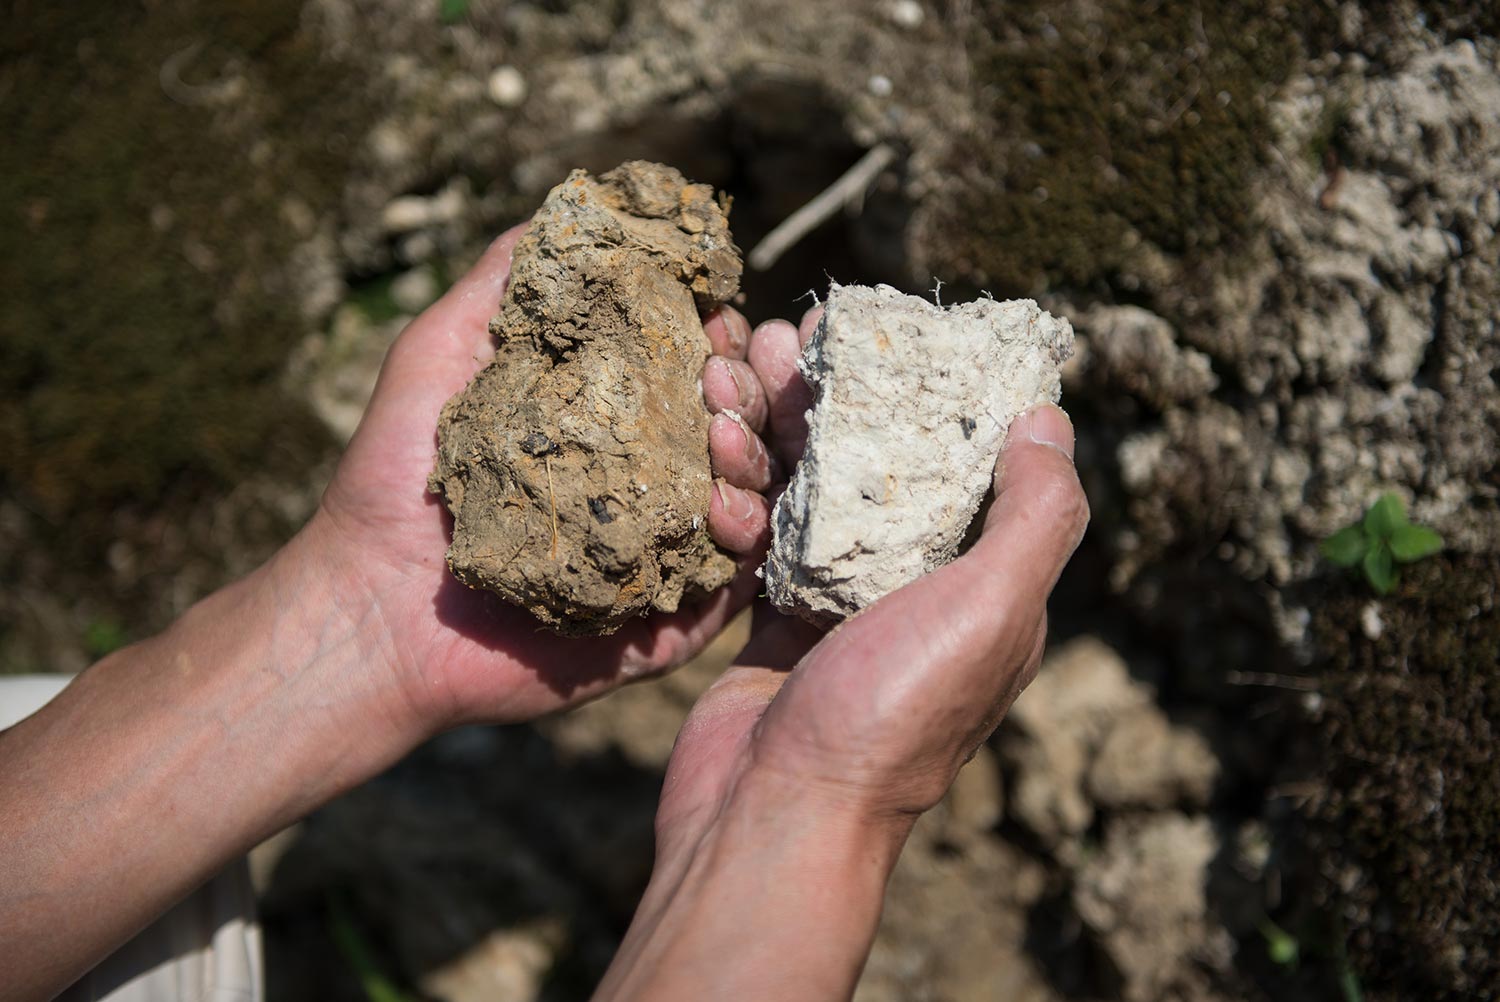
[913,401]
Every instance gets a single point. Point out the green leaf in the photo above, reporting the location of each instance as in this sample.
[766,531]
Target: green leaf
[1413,542]
[452,11]
[1380,569]
[1349,983]
[1384,517]
[1346,547]
[360,957]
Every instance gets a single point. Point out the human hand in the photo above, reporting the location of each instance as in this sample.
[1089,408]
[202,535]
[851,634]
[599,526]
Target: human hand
[319,669]
[796,779]
[455,655]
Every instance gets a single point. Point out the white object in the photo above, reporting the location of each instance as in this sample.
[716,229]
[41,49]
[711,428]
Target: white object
[506,87]
[913,404]
[906,13]
[206,948]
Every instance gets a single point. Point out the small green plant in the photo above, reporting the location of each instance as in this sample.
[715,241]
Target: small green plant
[103,636]
[359,955]
[1349,986]
[373,298]
[1284,949]
[1380,541]
[452,11]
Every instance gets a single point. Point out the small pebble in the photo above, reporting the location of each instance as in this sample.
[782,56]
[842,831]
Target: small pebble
[906,13]
[408,212]
[507,87]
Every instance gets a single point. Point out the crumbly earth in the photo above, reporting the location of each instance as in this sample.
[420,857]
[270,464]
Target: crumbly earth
[1407,744]
[913,403]
[576,462]
[1272,225]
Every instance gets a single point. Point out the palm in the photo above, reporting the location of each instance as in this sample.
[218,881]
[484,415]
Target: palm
[842,719]
[882,712]
[472,654]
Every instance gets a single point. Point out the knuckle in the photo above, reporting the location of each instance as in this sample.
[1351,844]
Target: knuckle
[1061,498]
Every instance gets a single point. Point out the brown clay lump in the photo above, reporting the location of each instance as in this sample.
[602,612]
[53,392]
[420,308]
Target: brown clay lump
[576,463]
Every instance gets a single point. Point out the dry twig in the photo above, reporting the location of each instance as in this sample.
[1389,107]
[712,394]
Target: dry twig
[845,191]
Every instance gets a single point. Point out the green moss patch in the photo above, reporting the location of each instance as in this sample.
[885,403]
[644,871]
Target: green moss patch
[1110,125]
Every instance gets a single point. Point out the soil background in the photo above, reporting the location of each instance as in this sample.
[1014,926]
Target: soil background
[1242,775]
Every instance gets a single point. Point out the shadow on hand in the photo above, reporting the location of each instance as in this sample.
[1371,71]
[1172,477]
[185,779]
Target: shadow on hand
[564,664]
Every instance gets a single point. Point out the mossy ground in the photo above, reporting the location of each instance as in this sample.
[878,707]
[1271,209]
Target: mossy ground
[147,319]
[126,364]
[1116,124]
[141,351]
[1409,814]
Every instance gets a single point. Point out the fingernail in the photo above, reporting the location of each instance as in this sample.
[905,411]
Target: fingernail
[1048,425]
[752,441]
[716,364]
[739,384]
[736,329]
[733,500]
[809,323]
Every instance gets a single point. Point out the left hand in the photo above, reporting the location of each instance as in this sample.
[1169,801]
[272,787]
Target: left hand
[454,655]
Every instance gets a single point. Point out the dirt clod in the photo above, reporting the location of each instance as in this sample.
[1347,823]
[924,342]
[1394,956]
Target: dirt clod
[576,462]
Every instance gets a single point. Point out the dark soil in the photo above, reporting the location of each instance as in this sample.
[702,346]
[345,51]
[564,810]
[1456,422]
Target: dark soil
[148,312]
[1409,811]
[1106,128]
[138,353]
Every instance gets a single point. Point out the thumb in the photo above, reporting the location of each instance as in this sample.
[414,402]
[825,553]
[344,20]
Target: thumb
[1040,511]
[454,331]
[898,696]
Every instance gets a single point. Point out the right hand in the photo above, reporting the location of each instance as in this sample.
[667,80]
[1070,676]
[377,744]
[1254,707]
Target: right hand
[796,778]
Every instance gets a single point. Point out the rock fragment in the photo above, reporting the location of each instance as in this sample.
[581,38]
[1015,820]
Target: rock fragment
[1144,898]
[913,403]
[576,463]
[1086,736]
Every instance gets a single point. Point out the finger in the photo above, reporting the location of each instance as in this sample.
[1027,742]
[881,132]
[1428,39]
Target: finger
[774,350]
[739,520]
[1000,587]
[737,454]
[731,385]
[716,729]
[434,358]
[454,331]
[742,689]
[1032,528]
[728,332]
[1040,510]
[678,636]
[778,640]
[809,324]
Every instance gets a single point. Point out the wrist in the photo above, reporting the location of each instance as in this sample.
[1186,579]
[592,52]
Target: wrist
[171,757]
[306,621]
[293,667]
[779,896]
